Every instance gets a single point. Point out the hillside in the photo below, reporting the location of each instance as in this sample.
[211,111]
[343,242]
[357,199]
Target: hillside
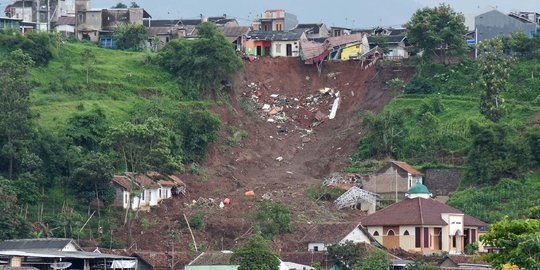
[280,154]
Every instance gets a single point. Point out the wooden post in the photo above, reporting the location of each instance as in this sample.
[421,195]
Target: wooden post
[191,232]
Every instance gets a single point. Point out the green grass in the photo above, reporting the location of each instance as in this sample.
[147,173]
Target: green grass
[118,82]
[511,198]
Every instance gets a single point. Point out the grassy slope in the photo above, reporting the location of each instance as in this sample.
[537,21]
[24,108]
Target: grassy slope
[489,203]
[119,81]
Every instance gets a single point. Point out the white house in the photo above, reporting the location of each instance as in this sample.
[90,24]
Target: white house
[149,192]
[65,26]
[322,235]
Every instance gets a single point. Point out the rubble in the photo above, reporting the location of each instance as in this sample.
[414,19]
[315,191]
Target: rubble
[309,110]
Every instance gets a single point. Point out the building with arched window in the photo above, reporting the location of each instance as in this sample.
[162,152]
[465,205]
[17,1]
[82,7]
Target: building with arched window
[420,224]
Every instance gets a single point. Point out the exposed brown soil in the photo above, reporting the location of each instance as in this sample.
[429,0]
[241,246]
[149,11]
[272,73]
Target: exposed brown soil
[308,156]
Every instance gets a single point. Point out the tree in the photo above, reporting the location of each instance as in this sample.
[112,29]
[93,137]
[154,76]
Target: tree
[256,254]
[496,151]
[438,30]
[15,124]
[207,62]
[131,37]
[518,242]
[348,254]
[88,129]
[120,5]
[200,129]
[272,218]
[385,136]
[494,74]
[92,180]
[143,146]
[376,260]
[134,5]
[88,60]
[11,225]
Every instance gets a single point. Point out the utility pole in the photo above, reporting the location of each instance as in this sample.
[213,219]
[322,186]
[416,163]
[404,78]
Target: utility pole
[48,15]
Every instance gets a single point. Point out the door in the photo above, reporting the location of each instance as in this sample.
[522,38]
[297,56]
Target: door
[289,50]
[259,50]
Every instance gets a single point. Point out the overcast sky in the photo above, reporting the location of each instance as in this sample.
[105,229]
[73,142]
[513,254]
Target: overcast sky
[345,13]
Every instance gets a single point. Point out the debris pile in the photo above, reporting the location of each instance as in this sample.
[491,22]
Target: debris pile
[308,111]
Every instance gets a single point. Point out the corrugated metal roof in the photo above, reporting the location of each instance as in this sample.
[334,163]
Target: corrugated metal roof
[274,35]
[27,244]
[38,253]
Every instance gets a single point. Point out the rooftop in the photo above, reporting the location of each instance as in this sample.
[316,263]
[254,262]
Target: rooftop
[36,244]
[329,232]
[416,211]
[213,258]
[274,35]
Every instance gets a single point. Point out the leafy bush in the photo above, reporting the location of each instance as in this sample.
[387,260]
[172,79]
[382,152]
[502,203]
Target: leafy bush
[38,45]
[208,61]
[130,37]
[197,221]
[272,218]
[323,193]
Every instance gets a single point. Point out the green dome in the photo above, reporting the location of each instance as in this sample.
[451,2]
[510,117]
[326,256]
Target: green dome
[418,188]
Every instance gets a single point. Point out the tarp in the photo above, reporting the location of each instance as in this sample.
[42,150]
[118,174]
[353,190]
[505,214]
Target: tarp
[124,264]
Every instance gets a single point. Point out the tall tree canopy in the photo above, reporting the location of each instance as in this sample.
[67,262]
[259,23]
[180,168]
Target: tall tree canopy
[438,30]
[206,62]
[143,146]
[518,240]
[15,124]
[494,74]
[256,254]
[92,180]
[131,37]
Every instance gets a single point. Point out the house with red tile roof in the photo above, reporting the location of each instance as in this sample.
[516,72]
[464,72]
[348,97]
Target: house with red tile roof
[423,225]
[393,180]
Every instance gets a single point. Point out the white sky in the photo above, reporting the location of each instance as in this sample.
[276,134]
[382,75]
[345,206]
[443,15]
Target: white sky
[346,13]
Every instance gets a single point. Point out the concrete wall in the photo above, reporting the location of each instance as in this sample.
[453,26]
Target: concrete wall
[385,181]
[495,23]
[443,181]
[89,20]
[279,48]
[357,236]
[320,246]
[65,30]
[407,242]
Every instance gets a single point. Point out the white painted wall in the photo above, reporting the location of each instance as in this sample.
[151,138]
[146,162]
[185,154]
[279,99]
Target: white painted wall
[69,29]
[320,246]
[378,229]
[279,48]
[357,236]
[70,247]
[407,242]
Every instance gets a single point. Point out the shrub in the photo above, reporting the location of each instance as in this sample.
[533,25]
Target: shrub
[272,218]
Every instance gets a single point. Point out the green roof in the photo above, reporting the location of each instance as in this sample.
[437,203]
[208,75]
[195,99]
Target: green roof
[418,188]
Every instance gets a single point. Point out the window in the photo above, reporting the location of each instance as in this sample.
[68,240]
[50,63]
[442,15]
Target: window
[316,248]
[426,237]
[454,241]
[473,235]
[417,237]
[376,233]
[142,195]
[149,195]
[160,192]
[126,198]
[390,233]
[406,232]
